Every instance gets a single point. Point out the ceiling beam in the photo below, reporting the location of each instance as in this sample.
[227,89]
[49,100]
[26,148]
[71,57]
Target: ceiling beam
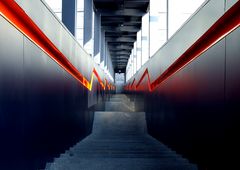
[120,53]
[123,28]
[120,34]
[117,23]
[119,58]
[127,47]
[121,20]
[122,12]
[120,39]
[119,50]
[120,61]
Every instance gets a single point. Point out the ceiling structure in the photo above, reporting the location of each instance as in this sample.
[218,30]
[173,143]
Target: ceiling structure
[121,20]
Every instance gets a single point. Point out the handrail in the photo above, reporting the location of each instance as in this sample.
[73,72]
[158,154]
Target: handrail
[220,29]
[15,15]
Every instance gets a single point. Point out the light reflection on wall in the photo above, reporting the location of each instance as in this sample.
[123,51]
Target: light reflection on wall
[164,18]
[158,24]
[180,11]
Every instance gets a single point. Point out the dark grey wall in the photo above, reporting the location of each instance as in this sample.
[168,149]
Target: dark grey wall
[196,110]
[196,113]
[43,109]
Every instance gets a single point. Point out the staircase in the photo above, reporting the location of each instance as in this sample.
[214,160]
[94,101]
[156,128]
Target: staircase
[119,141]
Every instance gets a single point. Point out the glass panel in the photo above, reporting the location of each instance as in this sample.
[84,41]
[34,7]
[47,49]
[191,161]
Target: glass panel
[158,24]
[79,36]
[80,5]
[59,15]
[145,38]
[56,6]
[135,58]
[139,50]
[80,21]
[162,22]
[180,11]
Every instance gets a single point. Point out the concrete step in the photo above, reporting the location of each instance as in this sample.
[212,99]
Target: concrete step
[119,164]
[119,141]
[119,106]
[119,103]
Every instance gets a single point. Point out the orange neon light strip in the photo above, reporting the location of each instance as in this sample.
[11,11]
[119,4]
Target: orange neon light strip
[220,29]
[148,80]
[15,15]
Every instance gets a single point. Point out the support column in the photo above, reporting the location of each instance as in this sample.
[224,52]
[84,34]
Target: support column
[97,34]
[125,77]
[69,14]
[88,26]
[106,56]
[102,53]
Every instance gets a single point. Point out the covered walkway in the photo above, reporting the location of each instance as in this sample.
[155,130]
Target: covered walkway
[119,84]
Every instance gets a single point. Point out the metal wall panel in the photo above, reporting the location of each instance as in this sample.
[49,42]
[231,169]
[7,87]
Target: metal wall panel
[44,19]
[185,37]
[196,110]
[11,93]
[58,34]
[232,66]
[43,109]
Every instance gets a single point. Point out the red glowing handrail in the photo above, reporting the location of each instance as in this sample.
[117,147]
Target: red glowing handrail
[15,15]
[148,80]
[132,84]
[220,29]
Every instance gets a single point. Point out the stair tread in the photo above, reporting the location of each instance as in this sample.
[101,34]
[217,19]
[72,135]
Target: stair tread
[119,140]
